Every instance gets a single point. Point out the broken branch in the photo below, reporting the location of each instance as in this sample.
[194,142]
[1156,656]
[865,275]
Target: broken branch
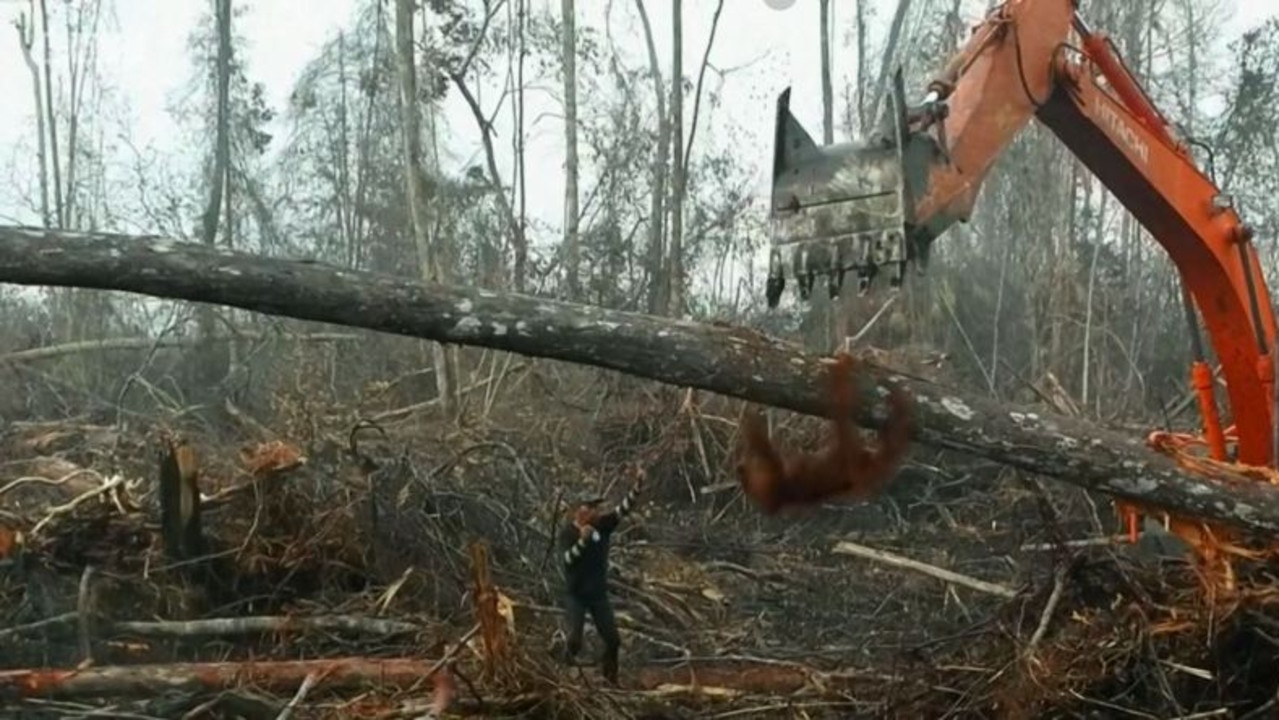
[141,343]
[264,624]
[905,563]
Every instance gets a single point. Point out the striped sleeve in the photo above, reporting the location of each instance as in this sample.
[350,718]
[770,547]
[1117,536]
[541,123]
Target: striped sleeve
[608,522]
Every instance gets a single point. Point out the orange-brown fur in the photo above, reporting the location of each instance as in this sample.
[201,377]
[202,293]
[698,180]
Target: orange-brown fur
[843,466]
[584,517]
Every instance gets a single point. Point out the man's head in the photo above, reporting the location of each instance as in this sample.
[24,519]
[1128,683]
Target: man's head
[584,511]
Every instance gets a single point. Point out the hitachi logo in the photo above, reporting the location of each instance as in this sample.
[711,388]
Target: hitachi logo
[1126,133]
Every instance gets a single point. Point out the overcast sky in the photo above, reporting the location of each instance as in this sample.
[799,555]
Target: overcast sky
[145,58]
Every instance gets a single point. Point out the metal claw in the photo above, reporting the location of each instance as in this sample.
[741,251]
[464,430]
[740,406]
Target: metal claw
[805,286]
[834,283]
[835,208]
[898,276]
[773,291]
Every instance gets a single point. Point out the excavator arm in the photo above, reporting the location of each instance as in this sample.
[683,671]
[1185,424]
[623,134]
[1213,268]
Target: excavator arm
[880,202]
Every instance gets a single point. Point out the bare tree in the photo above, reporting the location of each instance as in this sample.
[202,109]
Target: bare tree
[220,179]
[59,214]
[25,25]
[521,237]
[514,224]
[675,253]
[457,73]
[656,230]
[347,217]
[572,251]
[60,187]
[418,188]
[81,52]
[345,133]
[826,315]
[677,262]
[886,63]
[828,100]
[697,95]
[861,64]
[208,369]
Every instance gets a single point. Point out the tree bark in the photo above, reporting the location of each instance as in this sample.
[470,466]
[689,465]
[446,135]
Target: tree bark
[210,366]
[828,93]
[284,676]
[657,285]
[417,190]
[675,253]
[521,244]
[54,161]
[278,676]
[861,125]
[82,54]
[222,134]
[830,314]
[26,41]
[568,52]
[729,361]
[886,64]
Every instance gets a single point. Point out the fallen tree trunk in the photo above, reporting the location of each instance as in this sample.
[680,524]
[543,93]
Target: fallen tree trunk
[145,343]
[284,676]
[264,624]
[725,360]
[272,676]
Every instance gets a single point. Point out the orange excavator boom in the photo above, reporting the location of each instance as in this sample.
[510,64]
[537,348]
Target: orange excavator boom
[880,202]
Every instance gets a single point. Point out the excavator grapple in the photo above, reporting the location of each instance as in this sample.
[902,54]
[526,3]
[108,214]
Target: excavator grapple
[844,207]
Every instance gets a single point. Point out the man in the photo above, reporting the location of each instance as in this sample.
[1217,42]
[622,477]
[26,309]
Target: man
[584,542]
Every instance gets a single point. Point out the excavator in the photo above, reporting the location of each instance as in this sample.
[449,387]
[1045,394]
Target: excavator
[875,205]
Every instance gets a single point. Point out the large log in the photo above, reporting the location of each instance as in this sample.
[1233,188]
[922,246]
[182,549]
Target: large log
[271,675]
[725,360]
[280,676]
